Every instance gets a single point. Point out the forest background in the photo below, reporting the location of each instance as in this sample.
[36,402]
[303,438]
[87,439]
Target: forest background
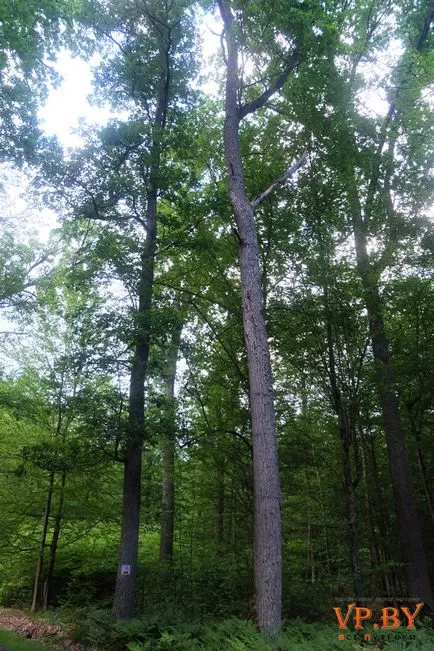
[217,379]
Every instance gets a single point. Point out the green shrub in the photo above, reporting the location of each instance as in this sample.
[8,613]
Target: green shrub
[240,635]
[85,625]
[14,596]
[161,633]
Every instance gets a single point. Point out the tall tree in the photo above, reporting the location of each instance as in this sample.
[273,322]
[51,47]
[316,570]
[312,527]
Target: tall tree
[362,150]
[412,550]
[147,54]
[160,24]
[267,522]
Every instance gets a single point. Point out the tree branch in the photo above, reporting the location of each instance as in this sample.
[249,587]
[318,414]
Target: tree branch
[260,101]
[283,179]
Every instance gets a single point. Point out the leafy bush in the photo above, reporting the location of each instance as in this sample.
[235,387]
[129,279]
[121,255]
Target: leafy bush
[84,625]
[88,588]
[13,596]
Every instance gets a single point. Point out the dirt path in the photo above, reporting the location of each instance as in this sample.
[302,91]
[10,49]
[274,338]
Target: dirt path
[43,632]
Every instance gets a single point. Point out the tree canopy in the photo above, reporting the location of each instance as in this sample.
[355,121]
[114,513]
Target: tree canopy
[221,357]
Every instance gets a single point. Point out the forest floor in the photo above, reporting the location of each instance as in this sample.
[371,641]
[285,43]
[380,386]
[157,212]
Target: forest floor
[49,635]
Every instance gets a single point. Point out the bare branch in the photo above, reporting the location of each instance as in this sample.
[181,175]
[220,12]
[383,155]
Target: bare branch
[283,179]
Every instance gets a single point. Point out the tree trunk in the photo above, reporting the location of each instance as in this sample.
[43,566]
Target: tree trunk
[323,513]
[310,551]
[125,590]
[54,541]
[220,503]
[412,551]
[267,520]
[168,484]
[37,596]
[379,552]
[425,482]
[351,518]
[167,501]
[382,517]
[422,465]
[347,433]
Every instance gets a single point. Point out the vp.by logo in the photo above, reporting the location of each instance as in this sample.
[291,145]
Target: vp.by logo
[390,617]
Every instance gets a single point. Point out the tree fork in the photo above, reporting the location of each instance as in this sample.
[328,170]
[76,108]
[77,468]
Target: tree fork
[54,541]
[40,565]
[267,518]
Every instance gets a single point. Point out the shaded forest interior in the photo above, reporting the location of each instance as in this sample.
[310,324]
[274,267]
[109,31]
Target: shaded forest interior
[217,376]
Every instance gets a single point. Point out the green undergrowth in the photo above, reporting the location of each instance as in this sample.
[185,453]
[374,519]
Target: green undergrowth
[13,642]
[96,629]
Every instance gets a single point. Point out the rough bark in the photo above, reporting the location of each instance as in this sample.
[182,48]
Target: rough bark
[125,590]
[267,520]
[37,596]
[168,483]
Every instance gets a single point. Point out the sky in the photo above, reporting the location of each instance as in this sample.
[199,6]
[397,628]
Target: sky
[67,106]
[60,116]
[68,103]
